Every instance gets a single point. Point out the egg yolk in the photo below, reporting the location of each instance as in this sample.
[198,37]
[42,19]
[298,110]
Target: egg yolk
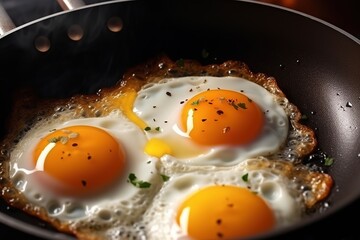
[217,117]
[224,212]
[83,159]
[157,148]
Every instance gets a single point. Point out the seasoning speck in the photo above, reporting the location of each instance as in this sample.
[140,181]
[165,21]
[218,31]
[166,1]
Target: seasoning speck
[83,182]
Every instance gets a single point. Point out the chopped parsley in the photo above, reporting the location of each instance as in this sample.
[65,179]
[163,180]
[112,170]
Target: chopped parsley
[136,182]
[164,177]
[196,102]
[304,117]
[242,105]
[147,128]
[245,177]
[328,161]
[62,139]
[239,105]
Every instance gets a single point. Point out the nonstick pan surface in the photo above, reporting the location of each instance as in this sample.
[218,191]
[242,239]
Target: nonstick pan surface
[316,65]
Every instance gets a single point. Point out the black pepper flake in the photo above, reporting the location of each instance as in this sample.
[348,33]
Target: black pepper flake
[154,119]
[89,157]
[250,100]
[168,93]
[182,102]
[190,90]
[203,120]
[83,182]
[154,106]
[69,154]
[220,112]
[74,144]
[220,235]
[218,221]
[230,205]
[165,121]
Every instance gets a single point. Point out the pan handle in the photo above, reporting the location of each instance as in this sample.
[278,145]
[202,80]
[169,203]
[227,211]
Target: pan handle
[6,24]
[70,4]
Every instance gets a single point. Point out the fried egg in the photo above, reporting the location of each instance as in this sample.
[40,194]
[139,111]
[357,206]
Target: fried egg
[211,120]
[85,169]
[222,203]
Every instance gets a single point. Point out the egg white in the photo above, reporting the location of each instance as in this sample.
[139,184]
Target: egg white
[160,105]
[279,193]
[121,203]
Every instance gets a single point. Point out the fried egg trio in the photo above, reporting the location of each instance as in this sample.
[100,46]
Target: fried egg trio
[198,157]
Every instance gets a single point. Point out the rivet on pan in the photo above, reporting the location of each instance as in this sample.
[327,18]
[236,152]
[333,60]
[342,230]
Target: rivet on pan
[349,104]
[42,44]
[115,24]
[75,32]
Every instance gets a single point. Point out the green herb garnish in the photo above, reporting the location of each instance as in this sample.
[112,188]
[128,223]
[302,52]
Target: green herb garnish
[62,139]
[136,182]
[242,105]
[304,117]
[196,102]
[245,177]
[164,177]
[328,161]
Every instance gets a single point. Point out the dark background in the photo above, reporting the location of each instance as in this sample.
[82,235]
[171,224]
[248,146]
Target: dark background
[344,14]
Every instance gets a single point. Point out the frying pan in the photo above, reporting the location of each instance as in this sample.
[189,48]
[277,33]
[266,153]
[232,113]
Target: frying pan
[316,64]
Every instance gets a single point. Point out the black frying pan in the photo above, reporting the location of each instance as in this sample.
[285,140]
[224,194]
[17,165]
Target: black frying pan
[316,65]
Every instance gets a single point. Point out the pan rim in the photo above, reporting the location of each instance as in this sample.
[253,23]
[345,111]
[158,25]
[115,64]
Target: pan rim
[316,19]
[51,235]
